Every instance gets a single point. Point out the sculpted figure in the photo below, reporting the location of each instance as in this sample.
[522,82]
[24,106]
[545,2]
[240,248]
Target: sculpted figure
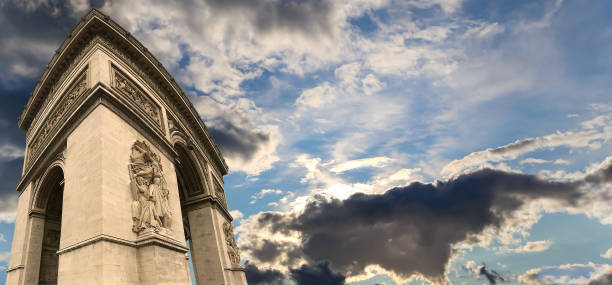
[150,208]
[159,196]
[232,248]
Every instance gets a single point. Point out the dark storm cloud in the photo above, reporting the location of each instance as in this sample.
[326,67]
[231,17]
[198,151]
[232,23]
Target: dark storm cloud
[13,99]
[237,141]
[10,173]
[602,175]
[319,274]
[256,276]
[605,279]
[411,230]
[309,17]
[492,276]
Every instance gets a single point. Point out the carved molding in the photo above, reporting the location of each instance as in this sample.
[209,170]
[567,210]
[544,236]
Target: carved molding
[20,266]
[150,208]
[57,115]
[150,240]
[232,249]
[137,96]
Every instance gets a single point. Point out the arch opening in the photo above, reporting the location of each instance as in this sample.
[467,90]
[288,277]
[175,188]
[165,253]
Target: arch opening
[50,201]
[189,185]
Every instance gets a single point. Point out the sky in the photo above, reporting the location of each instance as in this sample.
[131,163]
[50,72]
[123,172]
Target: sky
[376,142]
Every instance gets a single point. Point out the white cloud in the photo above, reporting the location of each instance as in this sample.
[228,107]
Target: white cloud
[8,208]
[565,274]
[607,254]
[378,161]
[263,193]
[371,84]
[9,151]
[316,97]
[236,214]
[562,161]
[4,256]
[532,160]
[544,22]
[571,139]
[534,246]
[79,6]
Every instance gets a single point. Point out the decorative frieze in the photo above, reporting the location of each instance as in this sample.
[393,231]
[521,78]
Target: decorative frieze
[57,115]
[137,96]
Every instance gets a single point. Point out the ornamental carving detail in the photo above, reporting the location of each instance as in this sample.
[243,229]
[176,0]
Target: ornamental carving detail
[172,125]
[150,207]
[57,115]
[232,248]
[137,96]
[219,193]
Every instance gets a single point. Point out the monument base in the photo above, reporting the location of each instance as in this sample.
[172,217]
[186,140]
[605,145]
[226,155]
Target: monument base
[152,259]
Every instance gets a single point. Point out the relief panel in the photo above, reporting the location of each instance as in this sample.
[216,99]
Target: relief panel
[58,114]
[137,96]
[150,208]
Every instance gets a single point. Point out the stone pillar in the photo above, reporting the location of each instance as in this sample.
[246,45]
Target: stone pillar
[21,234]
[161,262]
[98,244]
[33,249]
[205,244]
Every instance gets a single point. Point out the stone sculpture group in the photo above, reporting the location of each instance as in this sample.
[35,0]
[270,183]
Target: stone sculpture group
[150,210]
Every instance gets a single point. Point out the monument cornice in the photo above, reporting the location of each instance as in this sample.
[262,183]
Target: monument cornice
[98,25]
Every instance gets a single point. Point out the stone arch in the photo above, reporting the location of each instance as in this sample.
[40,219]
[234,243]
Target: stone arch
[190,170]
[41,191]
[46,212]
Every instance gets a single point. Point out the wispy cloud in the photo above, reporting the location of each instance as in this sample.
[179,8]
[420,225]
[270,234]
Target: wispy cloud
[378,161]
[263,193]
[534,246]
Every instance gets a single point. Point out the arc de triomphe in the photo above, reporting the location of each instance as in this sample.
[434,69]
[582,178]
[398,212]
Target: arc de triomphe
[119,174]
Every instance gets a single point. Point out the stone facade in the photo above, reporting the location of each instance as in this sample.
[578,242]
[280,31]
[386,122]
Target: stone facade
[120,172]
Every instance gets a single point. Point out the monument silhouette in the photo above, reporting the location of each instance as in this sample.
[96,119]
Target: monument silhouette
[119,173]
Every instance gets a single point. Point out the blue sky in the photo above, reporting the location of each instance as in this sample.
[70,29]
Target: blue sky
[315,101]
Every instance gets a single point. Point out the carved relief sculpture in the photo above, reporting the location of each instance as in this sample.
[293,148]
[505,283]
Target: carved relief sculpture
[137,96]
[232,248]
[60,111]
[220,194]
[150,210]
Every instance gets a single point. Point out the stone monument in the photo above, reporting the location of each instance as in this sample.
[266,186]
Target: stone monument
[119,174]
